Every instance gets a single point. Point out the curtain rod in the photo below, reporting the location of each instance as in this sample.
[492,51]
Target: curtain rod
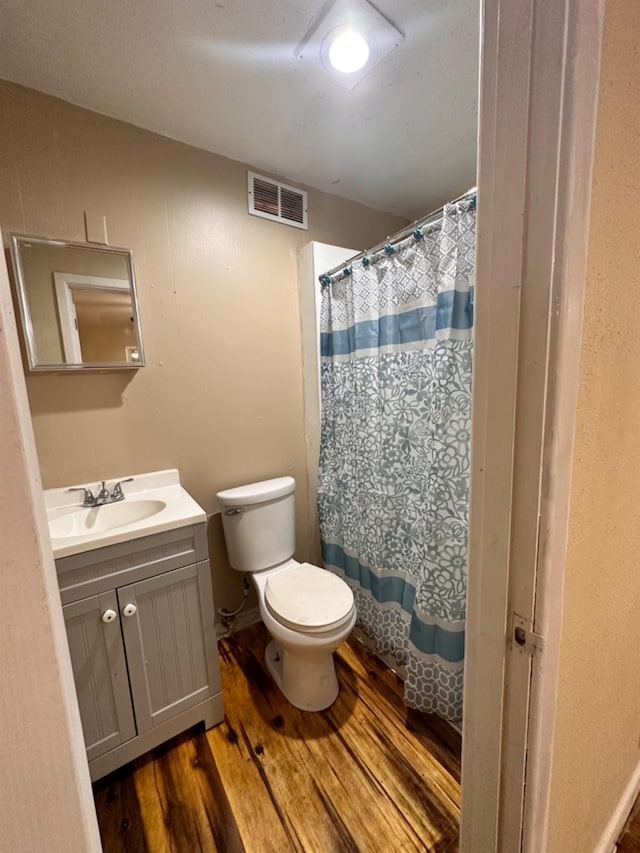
[396,238]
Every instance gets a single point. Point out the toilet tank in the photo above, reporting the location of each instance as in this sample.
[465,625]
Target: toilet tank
[259,523]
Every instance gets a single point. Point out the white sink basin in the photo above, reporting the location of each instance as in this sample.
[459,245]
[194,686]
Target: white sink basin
[153,503]
[80,521]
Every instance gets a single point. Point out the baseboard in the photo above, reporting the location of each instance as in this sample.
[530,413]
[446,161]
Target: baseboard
[614,827]
[243,620]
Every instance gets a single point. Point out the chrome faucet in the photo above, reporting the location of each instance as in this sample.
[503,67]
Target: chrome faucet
[104,496]
[89,498]
[117,494]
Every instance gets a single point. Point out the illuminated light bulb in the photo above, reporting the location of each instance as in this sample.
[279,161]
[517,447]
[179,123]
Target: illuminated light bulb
[349,52]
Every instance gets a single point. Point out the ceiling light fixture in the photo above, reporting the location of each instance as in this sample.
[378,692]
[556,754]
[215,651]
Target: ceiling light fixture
[348,39]
[349,51]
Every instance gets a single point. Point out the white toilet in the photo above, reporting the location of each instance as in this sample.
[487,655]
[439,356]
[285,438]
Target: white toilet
[308,611]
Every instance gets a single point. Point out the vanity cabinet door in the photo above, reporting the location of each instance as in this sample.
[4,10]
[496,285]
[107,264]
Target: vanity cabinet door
[167,623]
[100,672]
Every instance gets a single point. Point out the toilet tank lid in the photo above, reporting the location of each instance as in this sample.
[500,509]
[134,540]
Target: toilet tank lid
[254,493]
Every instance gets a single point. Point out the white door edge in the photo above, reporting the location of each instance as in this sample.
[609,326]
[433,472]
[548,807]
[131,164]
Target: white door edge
[37,662]
[539,82]
[576,155]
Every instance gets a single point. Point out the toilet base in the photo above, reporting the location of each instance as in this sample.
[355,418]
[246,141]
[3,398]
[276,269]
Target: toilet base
[307,680]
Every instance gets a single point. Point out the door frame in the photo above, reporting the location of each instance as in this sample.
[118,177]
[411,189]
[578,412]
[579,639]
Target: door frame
[64,284]
[538,99]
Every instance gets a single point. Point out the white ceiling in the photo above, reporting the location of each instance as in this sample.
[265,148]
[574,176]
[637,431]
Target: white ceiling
[221,75]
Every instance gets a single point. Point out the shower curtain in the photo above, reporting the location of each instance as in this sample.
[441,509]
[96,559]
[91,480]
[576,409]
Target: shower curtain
[396,351]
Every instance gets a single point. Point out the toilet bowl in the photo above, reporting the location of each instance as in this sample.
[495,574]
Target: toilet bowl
[308,611]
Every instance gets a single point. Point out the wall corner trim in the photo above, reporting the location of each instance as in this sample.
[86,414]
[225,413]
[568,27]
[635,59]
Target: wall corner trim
[615,825]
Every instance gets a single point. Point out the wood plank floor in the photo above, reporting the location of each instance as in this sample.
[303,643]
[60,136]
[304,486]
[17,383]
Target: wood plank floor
[629,841]
[365,775]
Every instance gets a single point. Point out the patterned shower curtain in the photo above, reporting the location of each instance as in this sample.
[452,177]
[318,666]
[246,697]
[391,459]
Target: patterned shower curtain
[396,351]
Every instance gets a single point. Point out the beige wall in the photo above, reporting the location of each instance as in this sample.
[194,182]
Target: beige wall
[596,746]
[221,398]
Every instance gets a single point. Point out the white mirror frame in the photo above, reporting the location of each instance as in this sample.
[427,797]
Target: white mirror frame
[64,282]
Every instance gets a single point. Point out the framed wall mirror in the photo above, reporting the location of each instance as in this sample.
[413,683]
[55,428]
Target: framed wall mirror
[78,305]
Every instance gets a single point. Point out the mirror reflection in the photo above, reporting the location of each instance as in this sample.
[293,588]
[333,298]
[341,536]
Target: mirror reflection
[78,304]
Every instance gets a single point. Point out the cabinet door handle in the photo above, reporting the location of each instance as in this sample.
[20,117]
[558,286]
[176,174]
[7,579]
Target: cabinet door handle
[129,609]
[109,615]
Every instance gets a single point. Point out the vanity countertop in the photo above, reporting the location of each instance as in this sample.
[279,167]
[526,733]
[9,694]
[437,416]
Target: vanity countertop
[154,502]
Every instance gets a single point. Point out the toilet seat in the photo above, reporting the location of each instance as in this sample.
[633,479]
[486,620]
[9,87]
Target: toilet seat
[308,599]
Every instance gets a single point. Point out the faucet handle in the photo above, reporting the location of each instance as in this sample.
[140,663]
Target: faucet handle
[103,495]
[89,499]
[117,494]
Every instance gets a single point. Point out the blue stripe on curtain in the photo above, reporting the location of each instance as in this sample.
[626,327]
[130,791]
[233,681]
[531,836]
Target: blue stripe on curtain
[454,310]
[429,639]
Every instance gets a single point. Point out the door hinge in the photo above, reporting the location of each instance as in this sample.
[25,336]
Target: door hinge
[523,638]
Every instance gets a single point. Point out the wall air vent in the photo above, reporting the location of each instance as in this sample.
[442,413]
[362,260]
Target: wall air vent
[276,201]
